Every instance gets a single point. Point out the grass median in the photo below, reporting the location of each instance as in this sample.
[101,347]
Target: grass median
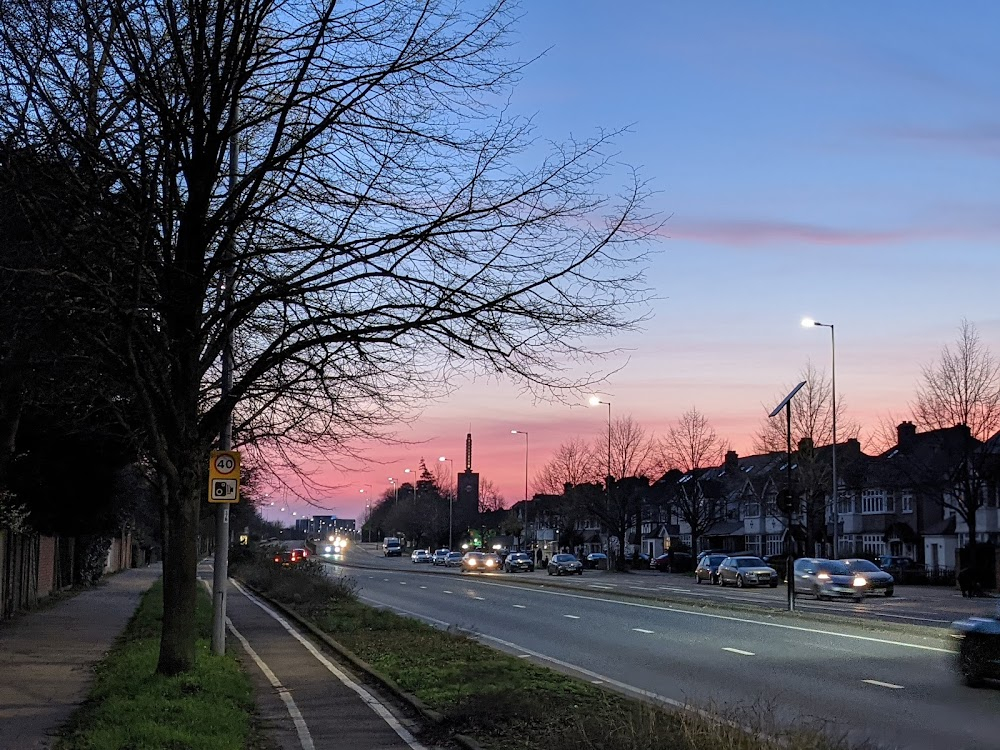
[129,706]
[504,702]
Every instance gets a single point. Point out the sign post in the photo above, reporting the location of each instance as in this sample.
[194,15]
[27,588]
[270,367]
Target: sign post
[224,477]
[224,489]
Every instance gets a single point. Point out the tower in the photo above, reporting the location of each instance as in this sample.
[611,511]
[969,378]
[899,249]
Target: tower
[467,502]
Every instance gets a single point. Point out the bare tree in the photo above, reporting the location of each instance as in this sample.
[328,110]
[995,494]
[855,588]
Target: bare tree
[574,462]
[692,443]
[377,231]
[490,498]
[634,451]
[963,388]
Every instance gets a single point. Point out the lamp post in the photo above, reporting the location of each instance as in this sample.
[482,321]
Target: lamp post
[809,323]
[395,490]
[411,471]
[451,501]
[597,401]
[525,433]
[368,508]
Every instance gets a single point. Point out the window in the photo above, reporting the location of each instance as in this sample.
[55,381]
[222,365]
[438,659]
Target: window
[775,545]
[772,505]
[752,544]
[845,503]
[873,501]
[906,501]
[873,544]
[752,508]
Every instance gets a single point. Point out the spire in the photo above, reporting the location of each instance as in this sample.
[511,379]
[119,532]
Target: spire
[468,452]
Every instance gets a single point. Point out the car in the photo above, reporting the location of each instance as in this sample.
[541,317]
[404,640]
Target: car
[302,552]
[978,648]
[779,563]
[676,562]
[479,562]
[453,560]
[826,579]
[746,570]
[638,561]
[564,564]
[519,561]
[440,557]
[903,569]
[708,568]
[420,556]
[392,547]
[878,580]
[595,560]
[286,558]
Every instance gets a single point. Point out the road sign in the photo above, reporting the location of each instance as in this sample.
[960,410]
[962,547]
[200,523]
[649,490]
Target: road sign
[224,477]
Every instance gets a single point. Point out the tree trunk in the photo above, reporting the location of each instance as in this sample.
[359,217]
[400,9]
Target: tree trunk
[177,642]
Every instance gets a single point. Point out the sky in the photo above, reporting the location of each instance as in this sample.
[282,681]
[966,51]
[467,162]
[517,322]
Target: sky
[833,160]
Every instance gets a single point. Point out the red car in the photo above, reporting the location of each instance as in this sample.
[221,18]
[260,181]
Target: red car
[286,558]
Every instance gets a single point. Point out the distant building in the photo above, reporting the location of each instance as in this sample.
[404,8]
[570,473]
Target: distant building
[467,500]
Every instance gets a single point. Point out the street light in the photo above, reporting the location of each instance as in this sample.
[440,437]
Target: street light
[395,490]
[451,501]
[411,471]
[809,323]
[597,401]
[368,508]
[525,433]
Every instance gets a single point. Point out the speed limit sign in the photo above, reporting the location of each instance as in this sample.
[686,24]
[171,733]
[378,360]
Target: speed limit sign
[224,477]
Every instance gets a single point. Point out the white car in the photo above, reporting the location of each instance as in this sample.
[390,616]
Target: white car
[420,556]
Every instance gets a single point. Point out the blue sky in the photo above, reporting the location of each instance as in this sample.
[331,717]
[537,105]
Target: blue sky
[835,160]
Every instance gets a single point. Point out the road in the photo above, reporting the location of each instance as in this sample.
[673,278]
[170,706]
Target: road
[898,689]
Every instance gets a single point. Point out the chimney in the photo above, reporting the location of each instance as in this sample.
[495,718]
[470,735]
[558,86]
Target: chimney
[732,464]
[851,448]
[805,445]
[906,432]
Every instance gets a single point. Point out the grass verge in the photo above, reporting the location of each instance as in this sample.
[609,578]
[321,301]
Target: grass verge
[130,706]
[504,702]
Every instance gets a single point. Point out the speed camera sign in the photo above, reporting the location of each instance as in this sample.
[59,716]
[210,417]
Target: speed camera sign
[224,477]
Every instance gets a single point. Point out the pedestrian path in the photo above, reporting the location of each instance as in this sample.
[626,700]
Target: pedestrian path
[46,657]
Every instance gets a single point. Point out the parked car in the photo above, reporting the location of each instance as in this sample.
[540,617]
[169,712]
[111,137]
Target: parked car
[903,569]
[978,648]
[638,561]
[453,560]
[564,564]
[421,556]
[826,579]
[879,582]
[519,561]
[746,571]
[708,568]
[779,563]
[676,562]
[595,560]
[440,557]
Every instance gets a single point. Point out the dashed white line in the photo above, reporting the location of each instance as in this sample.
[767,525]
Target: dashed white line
[448,592]
[879,683]
[572,617]
[518,606]
[402,583]
[524,656]
[479,598]
[738,651]
[642,630]
[423,587]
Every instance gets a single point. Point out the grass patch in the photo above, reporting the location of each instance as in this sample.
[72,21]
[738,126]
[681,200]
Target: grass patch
[505,702]
[131,707]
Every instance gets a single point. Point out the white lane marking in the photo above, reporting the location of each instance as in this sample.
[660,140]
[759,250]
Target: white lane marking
[600,586]
[305,739]
[372,702]
[597,682]
[738,651]
[730,618]
[572,617]
[524,656]
[448,592]
[518,606]
[385,579]
[479,598]
[879,683]
[423,587]
[402,583]
[642,630]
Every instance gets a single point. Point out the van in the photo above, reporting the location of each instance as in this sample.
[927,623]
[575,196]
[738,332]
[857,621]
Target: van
[391,547]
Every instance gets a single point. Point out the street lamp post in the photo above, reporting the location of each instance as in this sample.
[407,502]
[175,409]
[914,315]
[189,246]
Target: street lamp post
[808,323]
[368,508]
[451,502]
[525,433]
[395,490]
[411,471]
[597,401]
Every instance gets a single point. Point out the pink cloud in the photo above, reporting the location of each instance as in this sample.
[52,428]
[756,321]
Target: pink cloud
[757,232]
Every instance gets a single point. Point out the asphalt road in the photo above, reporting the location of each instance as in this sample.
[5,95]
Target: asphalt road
[898,689]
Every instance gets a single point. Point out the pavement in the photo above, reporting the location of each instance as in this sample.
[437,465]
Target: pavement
[47,656]
[305,700]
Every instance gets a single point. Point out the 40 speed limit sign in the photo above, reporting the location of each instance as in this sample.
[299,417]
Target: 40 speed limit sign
[224,477]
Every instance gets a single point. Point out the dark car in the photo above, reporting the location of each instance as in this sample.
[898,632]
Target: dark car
[638,561]
[978,648]
[708,568]
[286,558]
[779,563]
[595,560]
[827,579]
[518,561]
[879,582]
[903,569]
[564,564]
[746,571]
[671,562]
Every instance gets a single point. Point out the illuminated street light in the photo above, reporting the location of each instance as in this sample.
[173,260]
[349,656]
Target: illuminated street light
[525,433]
[451,501]
[809,323]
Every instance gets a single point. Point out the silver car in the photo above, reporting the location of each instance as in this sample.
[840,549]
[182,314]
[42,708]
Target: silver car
[746,571]
[440,557]
[827,579]
[708,568]
[564,564]
[879,582]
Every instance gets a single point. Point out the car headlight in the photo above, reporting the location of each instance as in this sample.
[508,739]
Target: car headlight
[859,581]
[489,563]
[823,577]
[472,563]
[328,549]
